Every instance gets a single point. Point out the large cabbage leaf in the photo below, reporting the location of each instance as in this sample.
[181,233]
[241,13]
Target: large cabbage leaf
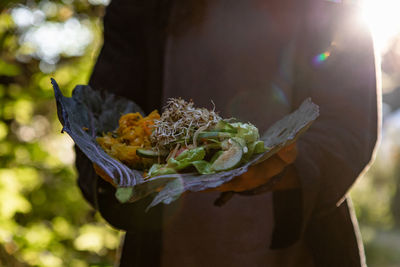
[88,114]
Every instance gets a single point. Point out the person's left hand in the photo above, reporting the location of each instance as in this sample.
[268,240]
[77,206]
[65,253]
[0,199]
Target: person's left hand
[261,173]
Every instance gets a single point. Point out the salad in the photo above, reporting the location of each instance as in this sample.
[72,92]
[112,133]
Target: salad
[162,156]
[183,139]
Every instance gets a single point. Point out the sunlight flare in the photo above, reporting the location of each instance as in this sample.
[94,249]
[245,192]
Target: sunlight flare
[382,16]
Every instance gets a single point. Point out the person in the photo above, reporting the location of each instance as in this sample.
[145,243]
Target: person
[257,60]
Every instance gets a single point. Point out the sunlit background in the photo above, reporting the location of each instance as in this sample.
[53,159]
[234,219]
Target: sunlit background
[44,221]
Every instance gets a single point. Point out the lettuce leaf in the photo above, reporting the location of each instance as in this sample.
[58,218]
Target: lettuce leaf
[89,113]
[203,167]
[186,158]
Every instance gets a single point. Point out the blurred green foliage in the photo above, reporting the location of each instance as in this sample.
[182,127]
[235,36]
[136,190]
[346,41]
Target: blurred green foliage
[375,198]
[44,220]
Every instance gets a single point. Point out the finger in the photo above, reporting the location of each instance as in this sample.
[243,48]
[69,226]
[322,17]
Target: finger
[256,175]
[266,169]
[235,184]
[288,153]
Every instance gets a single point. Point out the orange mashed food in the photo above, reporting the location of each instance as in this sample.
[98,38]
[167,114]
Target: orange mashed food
[133,132]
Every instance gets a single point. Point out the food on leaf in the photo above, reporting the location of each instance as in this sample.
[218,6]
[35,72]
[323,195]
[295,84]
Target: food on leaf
[184,149]
[133,133]
[183,139]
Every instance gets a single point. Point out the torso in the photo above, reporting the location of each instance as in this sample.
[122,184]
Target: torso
[240,58]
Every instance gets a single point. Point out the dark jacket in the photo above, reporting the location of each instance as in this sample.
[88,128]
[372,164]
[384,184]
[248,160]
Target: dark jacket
[332,154]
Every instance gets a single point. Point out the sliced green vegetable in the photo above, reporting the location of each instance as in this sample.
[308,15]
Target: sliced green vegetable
[212,146]
[256,147]
[224,126]
[214,135]
[230,158]
[259,147]
[160,169]
[124,194]
[148,153]
[203,167]
[240,140]
[216,155]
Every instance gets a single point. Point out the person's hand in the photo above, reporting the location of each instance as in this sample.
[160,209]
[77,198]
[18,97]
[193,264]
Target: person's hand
[261,173]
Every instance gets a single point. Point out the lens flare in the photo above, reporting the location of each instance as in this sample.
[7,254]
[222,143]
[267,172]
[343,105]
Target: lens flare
[318,59]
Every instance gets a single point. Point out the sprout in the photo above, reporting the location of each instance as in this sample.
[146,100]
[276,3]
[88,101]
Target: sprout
[179,121]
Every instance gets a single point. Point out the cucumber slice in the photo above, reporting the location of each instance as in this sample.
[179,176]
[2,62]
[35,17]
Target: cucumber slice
[241,141]
[230,158]
[212,146]
[214,135]
[223,126]
[216,155]
[202,166]
[148,153]
[259,147]
[256,147]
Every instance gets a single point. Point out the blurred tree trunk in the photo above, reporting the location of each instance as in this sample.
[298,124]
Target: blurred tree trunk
[7,259]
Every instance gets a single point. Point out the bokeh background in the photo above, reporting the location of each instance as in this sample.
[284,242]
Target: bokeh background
[44,220]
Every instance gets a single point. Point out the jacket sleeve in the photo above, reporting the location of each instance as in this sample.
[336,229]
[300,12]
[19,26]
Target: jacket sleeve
[336,68]
[129,65]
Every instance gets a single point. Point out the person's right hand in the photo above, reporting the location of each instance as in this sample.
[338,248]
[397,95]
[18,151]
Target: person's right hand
[261,173]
